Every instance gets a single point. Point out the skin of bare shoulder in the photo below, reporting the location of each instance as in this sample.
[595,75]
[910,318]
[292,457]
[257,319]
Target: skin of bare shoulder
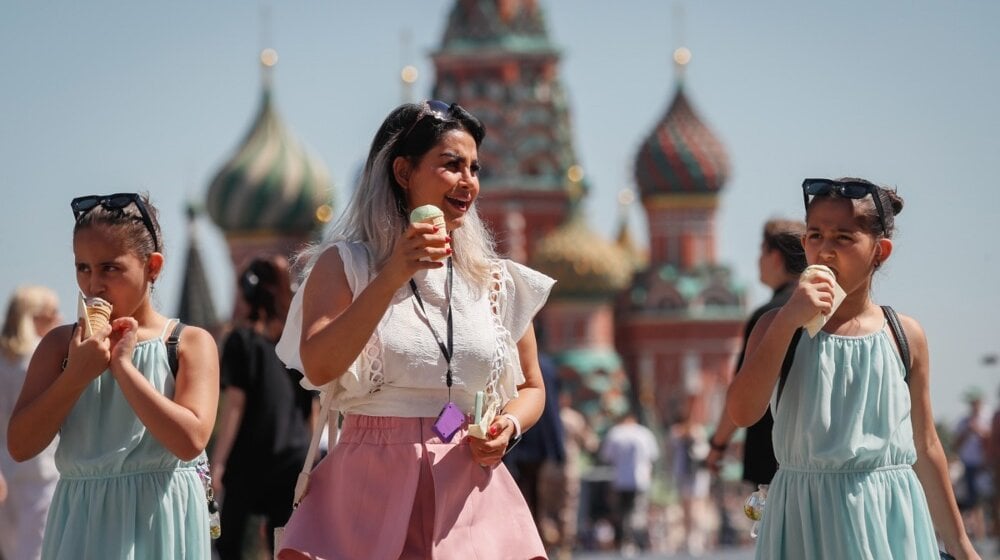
[49,392]
[931,466]
[327,294]
[197,387]
[924,434]
[335,324]
[750,391]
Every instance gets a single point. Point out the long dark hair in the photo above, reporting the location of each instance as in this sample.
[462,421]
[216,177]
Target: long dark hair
[376,215]
[128,220]
[785,236]
[265,287]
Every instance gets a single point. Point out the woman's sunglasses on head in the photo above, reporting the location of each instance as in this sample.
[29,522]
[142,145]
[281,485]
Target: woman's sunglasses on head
[848,189]
[81,205]
[432,107]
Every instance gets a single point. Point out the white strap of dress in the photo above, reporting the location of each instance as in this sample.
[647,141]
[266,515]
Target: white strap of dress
[166,328]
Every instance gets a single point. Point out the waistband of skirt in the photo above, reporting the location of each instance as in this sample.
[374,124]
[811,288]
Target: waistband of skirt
[360,428]
[844,470]
[125,474]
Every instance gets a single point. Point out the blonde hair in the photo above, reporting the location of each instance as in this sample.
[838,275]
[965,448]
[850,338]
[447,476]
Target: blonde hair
[19,336]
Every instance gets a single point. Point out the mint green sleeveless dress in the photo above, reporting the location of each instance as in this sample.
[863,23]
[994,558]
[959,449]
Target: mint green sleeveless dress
[121,494]
[845,487]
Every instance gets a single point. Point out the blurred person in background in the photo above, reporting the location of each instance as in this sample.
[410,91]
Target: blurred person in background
[541,450]
[971,438]
[993,458]
[782,259]
[690,448]
[631,449]
[31,312]
[579,440]
[264,429]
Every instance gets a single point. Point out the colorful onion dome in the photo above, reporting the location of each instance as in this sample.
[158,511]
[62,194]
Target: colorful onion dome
[681,155]
[271,184]
[583,263]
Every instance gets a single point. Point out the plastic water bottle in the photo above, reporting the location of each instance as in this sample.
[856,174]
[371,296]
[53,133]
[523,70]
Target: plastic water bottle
[754,508]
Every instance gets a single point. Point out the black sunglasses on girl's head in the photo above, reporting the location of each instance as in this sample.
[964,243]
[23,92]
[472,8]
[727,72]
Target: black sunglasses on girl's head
[432,107]
[81,205]
[847,189]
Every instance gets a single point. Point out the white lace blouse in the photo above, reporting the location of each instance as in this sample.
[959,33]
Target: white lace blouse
[401,371]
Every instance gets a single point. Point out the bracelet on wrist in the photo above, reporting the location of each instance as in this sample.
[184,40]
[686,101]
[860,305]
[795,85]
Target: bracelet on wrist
[720,447]
[516,438]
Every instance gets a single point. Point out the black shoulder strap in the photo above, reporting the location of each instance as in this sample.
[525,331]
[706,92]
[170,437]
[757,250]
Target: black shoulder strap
[900,334]
[786,365]
[172,341]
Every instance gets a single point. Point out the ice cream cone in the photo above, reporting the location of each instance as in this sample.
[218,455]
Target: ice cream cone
[430,214]
[816,323]
[98,313]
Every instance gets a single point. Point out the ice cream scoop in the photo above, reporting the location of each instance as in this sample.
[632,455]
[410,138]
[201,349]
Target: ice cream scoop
[816,323]
[429,214]
[93,313]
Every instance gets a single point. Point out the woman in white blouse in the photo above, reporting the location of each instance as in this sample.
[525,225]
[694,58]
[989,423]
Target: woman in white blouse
[404,323]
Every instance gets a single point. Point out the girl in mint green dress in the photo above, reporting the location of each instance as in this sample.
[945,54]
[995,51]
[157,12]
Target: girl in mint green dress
[862,474]
[130,432]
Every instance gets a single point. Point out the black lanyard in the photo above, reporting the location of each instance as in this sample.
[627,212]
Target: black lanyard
[446,351]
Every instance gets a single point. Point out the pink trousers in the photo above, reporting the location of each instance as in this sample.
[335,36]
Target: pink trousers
[391,489]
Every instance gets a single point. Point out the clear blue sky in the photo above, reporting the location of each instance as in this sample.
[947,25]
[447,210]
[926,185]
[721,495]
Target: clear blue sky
[101,97]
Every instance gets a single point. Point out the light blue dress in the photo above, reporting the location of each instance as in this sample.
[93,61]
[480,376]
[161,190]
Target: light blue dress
[121,494]
[843,438]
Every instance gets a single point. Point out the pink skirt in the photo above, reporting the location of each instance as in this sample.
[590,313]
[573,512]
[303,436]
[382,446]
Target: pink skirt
[391,489]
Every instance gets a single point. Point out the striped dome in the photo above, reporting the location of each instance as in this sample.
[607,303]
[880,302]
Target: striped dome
[681,155]
[271,184]
[583,263]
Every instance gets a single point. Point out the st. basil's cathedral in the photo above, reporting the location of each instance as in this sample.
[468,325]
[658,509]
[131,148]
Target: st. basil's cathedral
[656,331]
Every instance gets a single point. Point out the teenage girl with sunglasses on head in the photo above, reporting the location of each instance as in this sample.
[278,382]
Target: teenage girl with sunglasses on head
[861,473]
[131,430]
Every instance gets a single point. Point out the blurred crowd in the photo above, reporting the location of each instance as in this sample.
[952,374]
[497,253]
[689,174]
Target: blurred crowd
[627,484]
[640,489]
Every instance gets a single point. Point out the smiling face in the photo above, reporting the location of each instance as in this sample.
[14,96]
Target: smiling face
[836,238]
[107,268]
[447,176]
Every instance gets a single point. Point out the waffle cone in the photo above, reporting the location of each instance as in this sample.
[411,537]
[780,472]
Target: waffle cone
[98,314]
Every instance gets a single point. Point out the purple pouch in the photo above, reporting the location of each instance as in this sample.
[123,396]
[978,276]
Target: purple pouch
[448,422]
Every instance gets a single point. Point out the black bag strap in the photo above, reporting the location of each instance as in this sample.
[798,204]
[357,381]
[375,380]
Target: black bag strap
[900,334]
[786,365]
[172,341]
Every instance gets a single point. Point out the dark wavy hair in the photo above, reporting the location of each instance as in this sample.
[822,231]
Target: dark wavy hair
[785,236]
[892,204]
[265,286]
[377,214]
[129,221]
